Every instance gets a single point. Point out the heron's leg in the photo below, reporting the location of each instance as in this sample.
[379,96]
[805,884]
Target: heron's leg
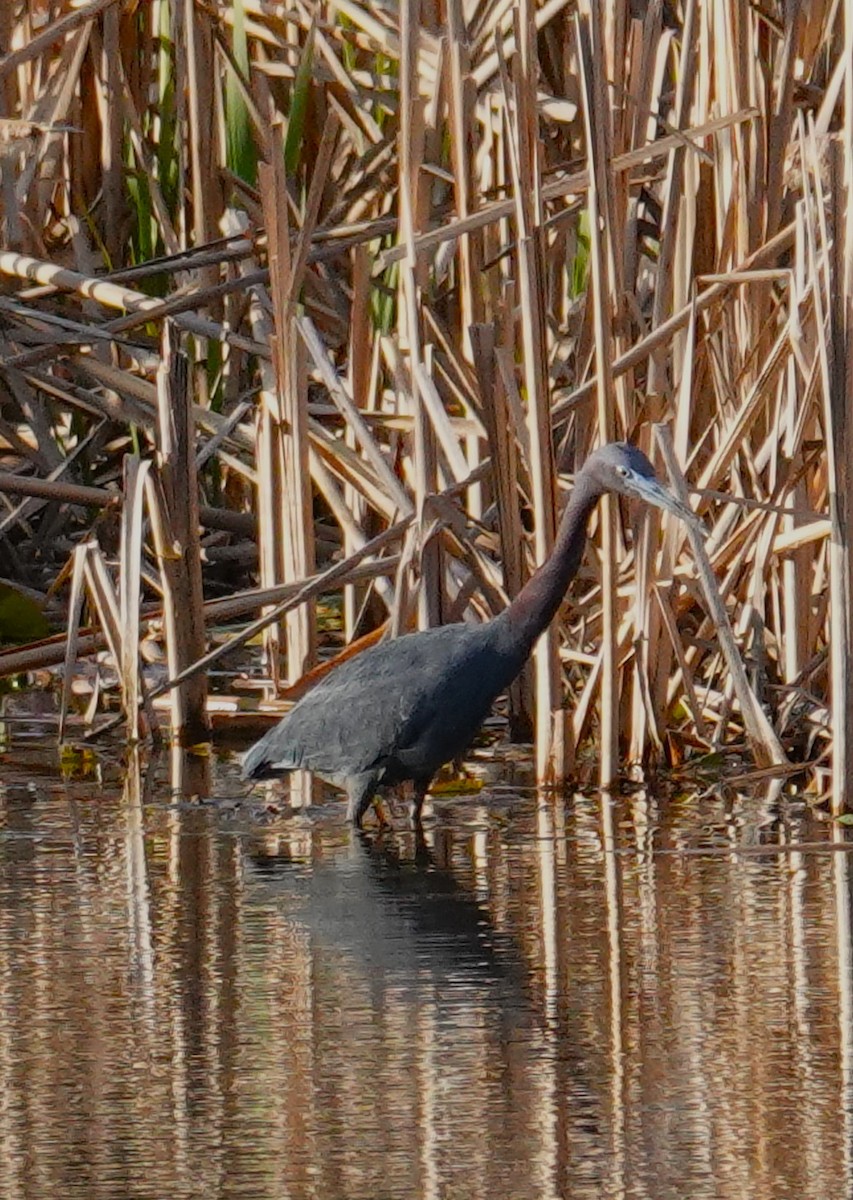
[381,815]
[421,790]
[360,790]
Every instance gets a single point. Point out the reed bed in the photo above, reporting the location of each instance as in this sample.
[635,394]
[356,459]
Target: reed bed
[307,308]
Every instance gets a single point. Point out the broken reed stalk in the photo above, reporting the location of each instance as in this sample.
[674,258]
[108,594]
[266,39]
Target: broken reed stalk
[130,591]
[173,502]
[56,490]
[501,434]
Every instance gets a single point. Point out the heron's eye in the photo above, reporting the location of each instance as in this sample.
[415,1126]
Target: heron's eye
[623,471]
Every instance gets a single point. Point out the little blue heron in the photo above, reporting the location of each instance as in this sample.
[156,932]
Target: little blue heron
[402,709]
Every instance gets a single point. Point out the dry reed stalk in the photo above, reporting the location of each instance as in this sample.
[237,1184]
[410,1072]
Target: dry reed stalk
[657,649]
[461,97]
[196,76]
[113,295]
[673,285]
[363,352]
[431,426]
[89,497]
[173,503]
[551,735]
[285,523]
[839,415]
[126,632]
[108,97]
[589,48]
[842,324]
[502,432]
[72,645]
[829,339]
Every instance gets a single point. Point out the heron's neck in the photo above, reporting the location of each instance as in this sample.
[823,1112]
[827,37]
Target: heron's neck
[535,606]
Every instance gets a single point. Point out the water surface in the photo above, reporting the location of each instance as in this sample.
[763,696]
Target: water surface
[581,997]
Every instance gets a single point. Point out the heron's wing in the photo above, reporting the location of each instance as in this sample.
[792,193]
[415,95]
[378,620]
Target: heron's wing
[360,715]
[450,707]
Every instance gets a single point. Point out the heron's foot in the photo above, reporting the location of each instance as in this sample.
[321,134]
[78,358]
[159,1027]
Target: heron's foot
[356,816]
[382,819]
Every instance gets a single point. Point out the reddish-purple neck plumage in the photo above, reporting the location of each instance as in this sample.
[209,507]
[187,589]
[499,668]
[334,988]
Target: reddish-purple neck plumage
[535,606]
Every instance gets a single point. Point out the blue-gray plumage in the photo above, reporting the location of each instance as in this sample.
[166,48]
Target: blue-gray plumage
[402,709]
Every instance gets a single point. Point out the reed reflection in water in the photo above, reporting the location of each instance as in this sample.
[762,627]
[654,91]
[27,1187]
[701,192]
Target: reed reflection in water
[530,1001]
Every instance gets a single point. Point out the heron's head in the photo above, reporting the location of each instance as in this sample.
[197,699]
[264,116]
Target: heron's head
[621,467]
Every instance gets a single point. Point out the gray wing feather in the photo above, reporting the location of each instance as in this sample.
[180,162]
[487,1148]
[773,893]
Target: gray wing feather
[378,706]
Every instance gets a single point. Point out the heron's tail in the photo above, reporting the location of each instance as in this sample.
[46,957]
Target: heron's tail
[265,759]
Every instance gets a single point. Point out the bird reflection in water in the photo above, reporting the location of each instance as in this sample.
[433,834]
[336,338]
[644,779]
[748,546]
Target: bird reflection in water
[424,1023]
[396,919]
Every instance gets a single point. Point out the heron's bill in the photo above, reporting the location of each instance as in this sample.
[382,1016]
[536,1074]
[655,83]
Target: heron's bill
[654,492]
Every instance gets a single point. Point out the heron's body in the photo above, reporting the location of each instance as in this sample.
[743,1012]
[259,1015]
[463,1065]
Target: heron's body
[401,710]
[359,730]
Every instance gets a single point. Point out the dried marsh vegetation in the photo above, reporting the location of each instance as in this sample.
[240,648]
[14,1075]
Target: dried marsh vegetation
[315,300]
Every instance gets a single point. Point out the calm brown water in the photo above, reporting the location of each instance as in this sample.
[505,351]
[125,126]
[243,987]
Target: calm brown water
[195,1002]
